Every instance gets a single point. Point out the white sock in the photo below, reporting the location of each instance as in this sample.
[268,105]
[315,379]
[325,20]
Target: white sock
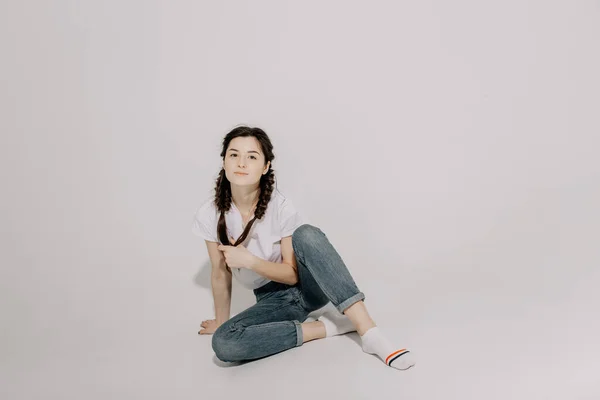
[373,342]
[313,316]
[335,322]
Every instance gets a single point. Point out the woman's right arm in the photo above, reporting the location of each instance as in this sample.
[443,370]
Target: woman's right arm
[220,279]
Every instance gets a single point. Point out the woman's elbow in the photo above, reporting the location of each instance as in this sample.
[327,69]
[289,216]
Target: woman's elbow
[294,279]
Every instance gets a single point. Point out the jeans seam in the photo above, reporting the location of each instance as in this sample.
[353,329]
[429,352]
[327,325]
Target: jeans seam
[234,325]
[297,325]
[267,324]
[328,295]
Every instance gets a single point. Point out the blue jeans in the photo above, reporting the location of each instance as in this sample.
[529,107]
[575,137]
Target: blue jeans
[272,325]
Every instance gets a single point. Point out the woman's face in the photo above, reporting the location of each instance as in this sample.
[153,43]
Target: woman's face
[244,161]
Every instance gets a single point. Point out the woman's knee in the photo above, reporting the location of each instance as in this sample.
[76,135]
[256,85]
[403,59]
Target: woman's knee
[225,344]
[305,234]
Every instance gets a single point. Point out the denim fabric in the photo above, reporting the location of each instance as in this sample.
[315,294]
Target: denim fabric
[272,325]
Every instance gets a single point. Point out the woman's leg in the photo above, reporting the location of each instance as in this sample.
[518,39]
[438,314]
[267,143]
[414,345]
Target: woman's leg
[324,277]
[270,326]
[313,330]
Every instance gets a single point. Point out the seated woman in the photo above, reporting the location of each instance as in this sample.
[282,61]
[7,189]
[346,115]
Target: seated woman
[292,267]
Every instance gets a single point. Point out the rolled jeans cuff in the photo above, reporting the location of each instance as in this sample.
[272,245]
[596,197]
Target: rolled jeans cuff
[347,303]
[299,334]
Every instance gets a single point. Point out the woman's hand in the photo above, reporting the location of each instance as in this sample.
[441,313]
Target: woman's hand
[238,256]
[209,327]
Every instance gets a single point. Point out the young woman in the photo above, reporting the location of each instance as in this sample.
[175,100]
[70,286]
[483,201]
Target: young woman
[254,233]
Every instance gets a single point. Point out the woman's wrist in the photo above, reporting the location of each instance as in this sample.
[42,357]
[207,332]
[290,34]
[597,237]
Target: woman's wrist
[254,263]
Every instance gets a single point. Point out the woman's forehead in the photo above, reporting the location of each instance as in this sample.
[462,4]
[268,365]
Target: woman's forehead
[245,144]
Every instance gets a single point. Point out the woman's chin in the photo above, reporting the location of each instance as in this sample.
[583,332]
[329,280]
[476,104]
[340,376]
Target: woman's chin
[242,181]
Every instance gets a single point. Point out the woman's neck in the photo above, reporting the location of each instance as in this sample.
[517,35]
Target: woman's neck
[245,198]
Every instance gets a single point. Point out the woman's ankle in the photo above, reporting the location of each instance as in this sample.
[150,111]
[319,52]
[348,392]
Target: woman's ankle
[360,317]
[312,330]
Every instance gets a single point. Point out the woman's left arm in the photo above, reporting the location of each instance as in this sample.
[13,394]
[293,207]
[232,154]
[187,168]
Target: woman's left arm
[284,272]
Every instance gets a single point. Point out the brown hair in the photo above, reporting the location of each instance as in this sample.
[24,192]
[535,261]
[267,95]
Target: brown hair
[223,187]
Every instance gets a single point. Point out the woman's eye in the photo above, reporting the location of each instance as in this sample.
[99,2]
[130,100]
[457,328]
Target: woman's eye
[253,157]
[233,155]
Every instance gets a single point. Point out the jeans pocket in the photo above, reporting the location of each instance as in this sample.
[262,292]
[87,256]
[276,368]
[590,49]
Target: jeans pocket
[296,294]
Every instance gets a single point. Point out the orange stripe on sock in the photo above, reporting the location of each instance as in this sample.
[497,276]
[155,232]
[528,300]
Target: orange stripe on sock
[393,354]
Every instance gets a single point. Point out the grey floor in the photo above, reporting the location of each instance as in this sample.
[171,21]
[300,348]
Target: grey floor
[485,347]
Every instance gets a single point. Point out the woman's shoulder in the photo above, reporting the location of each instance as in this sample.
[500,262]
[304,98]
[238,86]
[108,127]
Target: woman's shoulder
[207,210]
[205,220]
[287,215]
[282,205]
[279,201]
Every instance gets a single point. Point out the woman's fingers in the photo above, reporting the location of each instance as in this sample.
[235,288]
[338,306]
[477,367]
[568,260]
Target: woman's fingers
[204,324]
[206,328]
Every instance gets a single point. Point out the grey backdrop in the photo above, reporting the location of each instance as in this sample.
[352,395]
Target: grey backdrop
[448,149]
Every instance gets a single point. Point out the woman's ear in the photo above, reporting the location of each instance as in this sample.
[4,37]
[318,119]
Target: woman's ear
[267,167]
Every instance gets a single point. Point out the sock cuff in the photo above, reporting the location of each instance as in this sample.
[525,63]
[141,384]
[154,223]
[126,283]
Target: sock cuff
[370,332]
[330,329]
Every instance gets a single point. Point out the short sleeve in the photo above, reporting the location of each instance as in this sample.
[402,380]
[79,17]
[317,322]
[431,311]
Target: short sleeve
[204,223]
[289,218]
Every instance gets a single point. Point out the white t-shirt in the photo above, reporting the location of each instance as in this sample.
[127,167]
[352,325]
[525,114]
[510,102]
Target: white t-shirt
[264,239]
